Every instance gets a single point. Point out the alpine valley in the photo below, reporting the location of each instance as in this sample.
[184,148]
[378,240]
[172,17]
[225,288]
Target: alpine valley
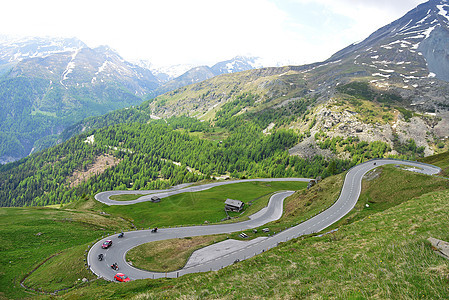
[78,121]
[385,96]
[48,84]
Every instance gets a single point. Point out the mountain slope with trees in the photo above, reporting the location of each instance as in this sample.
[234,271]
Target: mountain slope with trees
[44,93]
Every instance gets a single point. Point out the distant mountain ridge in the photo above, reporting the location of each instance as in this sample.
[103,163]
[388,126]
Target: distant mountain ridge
[15,49]
[201,73]
[170,72]
[406,60]
[50,83]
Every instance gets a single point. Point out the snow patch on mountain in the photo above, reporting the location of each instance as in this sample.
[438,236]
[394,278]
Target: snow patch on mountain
[381,75]
[428,31]
[15,49]
[425,18]
[102,67]
[442,11]
[69,68]
[172,71]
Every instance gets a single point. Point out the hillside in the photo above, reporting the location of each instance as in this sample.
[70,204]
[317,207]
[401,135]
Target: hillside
[151,156]
[129,150]
[375,247]
[404,60]
[47,85]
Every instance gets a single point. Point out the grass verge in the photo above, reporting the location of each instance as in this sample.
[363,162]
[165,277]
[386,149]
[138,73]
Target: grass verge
[63,271]
[388,186]
[440,160]
[169,255]
[126,197]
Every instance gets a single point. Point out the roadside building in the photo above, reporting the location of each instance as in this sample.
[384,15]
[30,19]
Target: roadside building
[233,205]
[155,199]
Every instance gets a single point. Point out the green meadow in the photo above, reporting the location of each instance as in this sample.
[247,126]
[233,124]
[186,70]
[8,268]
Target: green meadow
[205,206]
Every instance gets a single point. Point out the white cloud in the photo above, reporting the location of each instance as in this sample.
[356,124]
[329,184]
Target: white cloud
[205,31]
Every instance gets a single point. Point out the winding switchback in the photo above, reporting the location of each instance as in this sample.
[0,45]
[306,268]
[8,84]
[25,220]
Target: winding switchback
[117,252]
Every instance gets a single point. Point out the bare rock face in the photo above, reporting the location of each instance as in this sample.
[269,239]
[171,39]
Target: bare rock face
[416,129]
[345,124]
[436,52]
[308,149]
[337,122]
[442,128]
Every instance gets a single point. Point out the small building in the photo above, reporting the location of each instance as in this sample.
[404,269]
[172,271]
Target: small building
[155,199]
[234,205]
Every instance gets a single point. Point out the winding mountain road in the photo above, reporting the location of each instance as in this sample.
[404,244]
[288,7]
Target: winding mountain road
[344,204]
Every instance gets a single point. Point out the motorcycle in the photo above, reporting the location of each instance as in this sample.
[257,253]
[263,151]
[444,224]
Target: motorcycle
[154,229]
[121,234]
[100,256]
[114,266]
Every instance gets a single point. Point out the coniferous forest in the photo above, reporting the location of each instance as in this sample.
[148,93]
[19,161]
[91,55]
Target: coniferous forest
[163,153]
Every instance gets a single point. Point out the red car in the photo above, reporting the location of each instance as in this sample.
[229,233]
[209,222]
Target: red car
[106,244]
[121,277]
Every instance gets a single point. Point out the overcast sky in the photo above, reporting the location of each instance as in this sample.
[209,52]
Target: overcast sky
[169,32]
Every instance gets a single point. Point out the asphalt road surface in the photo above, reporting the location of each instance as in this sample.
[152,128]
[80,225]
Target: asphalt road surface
[117,252]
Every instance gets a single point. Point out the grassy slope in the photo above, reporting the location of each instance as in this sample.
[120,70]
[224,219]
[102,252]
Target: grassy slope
[30,235]
[382,254]
[440,160]
[273,84]
[397,187]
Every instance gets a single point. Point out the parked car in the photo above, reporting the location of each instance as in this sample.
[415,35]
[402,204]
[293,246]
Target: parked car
[121,277]
[106,244]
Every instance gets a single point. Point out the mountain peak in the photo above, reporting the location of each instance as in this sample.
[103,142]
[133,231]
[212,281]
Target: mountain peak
[14,49]
[420,37]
